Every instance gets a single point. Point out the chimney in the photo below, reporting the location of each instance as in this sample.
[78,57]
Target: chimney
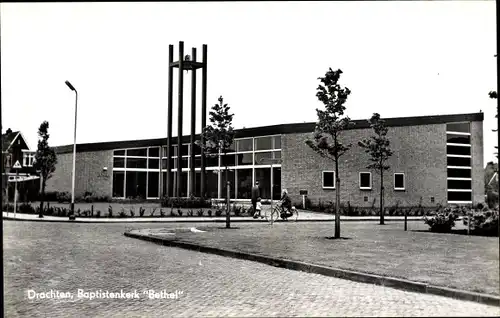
[9,131]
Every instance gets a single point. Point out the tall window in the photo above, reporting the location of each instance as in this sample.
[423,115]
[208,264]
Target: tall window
[136,171]
[459,163]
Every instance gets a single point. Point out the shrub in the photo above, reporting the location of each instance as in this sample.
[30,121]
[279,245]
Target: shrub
[209,212]
[122,213]
[141,211]
[110,211]
[61,197]
[162,214]
[441,222]
[321,205]
[53,196]
[237,211]
[49,210]
[132,212]
[354,211]
[250,211]
[8,207]
[25,208]
[218,212]
[483,222]
[98,214]
[190,212]
[152,212]
[191,202]
[179,212]
[200,212]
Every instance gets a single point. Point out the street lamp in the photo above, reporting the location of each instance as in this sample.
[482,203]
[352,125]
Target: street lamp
[74,154]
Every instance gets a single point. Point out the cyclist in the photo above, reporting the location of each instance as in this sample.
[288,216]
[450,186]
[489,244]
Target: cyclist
[286,205]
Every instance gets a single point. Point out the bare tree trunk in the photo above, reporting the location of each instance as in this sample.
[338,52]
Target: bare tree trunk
[42,198]
[228,210]
[337,199]
[382,197]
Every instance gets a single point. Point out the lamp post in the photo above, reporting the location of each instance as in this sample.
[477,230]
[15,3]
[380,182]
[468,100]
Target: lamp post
[271,161]
[72,216]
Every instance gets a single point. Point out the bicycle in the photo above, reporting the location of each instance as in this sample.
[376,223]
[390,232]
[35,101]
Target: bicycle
[279,212]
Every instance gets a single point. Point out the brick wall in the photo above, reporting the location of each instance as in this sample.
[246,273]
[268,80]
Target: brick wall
[419,152]
[477,162]
[89,173]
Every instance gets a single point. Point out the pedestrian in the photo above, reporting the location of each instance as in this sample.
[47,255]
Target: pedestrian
[286,205]
[258,210]
[255,195]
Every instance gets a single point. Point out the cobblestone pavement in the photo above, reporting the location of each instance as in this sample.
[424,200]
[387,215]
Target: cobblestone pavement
[66,257]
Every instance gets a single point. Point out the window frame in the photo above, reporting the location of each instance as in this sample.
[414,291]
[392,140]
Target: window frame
[323,179]
[371,181]
[404,181]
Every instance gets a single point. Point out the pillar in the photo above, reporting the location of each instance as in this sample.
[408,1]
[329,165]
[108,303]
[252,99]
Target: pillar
[192,186]
[203,118]
[179,118]
[169,190]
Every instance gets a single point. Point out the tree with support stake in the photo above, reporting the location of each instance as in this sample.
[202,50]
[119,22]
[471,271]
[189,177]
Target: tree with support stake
[378,148]
[217,140]
[329,127]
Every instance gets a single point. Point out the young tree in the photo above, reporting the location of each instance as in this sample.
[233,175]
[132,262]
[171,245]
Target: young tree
[378,148]
[218,138]
[45,160]
[326,139]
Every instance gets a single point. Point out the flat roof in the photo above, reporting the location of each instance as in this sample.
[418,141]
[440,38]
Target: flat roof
[273,130]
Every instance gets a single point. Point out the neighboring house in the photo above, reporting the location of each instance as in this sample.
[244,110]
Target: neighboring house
[15,149]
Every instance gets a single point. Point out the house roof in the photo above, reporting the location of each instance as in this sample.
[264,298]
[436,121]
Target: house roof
[8,139]
[274,130]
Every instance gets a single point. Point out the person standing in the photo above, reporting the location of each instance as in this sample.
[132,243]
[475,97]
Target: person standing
[255,195]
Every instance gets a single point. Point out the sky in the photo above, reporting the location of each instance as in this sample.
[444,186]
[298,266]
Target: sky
[399,59]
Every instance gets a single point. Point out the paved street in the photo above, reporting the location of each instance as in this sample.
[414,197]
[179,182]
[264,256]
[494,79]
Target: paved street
[66,257]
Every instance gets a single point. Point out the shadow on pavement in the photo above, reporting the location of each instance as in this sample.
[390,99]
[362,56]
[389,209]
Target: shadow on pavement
[338,238]
[460,232]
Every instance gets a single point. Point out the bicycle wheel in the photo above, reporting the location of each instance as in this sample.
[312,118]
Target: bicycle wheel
[272,215]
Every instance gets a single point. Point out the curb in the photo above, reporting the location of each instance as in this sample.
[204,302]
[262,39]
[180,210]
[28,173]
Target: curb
[194,220]
[393,282]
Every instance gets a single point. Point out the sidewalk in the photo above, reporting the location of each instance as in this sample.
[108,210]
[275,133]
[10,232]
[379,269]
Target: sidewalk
[304,216]
[452,265]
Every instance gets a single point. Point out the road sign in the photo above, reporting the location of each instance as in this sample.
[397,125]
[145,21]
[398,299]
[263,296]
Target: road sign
[303,192]
[17,165]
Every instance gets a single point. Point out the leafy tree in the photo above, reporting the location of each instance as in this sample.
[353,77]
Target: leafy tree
[378,148]
[218,137]
[329,127]
[45,159]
